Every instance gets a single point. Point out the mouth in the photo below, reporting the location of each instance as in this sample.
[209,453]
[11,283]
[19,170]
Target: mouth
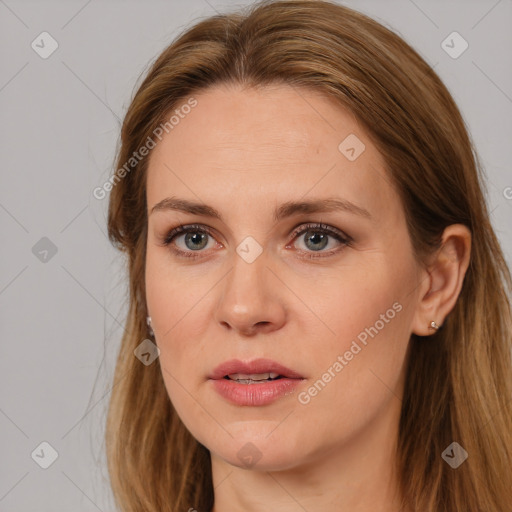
[256,383]
[254,378]
[254,371]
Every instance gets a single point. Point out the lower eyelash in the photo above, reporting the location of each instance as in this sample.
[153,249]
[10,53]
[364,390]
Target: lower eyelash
[322,228]
[194,228]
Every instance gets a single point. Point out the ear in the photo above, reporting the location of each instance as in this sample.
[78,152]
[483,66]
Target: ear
[442,279]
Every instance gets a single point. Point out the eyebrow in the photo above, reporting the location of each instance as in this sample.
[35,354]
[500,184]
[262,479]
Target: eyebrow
[287,209]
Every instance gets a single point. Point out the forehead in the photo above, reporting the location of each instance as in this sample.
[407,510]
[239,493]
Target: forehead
[276,143]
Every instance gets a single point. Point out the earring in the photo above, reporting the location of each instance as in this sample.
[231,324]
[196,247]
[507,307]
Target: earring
[433,325]
[148,321]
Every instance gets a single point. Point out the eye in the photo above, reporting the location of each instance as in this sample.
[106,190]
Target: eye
[316,237]
[194,239]
[190,240]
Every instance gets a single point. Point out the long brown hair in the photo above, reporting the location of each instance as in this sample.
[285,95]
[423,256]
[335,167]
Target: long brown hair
[458,384]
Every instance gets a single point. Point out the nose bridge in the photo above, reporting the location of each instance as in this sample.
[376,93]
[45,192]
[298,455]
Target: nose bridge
[248,298]
[247,282]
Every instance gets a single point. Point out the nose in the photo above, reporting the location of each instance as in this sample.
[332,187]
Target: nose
[251,298]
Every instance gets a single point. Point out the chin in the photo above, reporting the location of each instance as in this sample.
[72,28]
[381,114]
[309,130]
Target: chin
[255,449]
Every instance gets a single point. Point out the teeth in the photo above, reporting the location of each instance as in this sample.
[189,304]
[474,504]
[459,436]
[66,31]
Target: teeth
[253,377]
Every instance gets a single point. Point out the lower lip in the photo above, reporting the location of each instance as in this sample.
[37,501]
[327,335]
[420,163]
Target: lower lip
[255,394]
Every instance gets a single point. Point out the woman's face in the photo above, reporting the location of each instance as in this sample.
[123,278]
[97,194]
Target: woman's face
[333,303]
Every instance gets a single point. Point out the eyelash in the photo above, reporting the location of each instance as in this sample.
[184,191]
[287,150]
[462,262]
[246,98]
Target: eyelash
[300,230]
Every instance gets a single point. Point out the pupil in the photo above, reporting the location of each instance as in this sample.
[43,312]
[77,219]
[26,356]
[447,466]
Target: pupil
[317,238]
[197,238]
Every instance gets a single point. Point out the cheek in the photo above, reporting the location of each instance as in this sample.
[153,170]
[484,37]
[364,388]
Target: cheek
[175,307]
[353,299]
[174,302]
[173,295]
[367,319]
[359,372]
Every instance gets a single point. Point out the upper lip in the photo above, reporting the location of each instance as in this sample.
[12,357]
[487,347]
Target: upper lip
[252,367]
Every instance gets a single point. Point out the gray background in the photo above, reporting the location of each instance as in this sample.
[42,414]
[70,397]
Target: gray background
[62,314]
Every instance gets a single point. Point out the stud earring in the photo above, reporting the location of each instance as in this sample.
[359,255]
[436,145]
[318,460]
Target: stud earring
[433,325]
[150,328]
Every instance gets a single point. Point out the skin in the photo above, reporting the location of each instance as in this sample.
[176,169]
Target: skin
[244,152]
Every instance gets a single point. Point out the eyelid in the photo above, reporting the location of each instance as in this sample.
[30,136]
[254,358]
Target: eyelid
[186,228]
[340,236]
[320,226]
[167,240]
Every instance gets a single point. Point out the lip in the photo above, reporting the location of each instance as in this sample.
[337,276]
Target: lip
[255,366]
[254,394]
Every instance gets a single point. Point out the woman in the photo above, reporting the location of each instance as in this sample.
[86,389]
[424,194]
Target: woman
[311,257]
